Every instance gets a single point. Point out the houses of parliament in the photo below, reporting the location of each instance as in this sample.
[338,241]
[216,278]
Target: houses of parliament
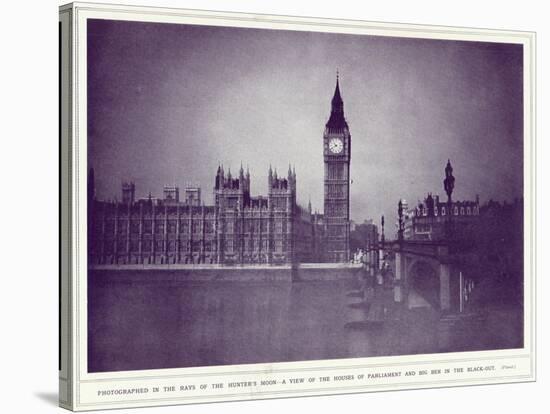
[239,228]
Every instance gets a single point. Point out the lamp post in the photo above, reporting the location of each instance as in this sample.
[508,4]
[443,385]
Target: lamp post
[449,185]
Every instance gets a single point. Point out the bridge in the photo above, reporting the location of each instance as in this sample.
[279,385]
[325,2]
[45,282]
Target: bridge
[427,272]
[423,273]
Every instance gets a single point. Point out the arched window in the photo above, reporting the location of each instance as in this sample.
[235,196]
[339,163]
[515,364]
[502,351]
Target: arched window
[461,211]
[468,211]
[442,211]
[456,211]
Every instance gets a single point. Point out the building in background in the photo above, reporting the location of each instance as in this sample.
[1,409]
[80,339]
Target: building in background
[428,219]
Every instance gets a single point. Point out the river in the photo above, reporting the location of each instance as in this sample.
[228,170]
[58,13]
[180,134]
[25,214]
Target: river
[141,323]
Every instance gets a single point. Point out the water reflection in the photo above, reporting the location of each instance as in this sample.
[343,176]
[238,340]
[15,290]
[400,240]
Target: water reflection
[151,324]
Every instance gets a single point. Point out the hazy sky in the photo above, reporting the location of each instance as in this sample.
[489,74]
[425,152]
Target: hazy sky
[168,102]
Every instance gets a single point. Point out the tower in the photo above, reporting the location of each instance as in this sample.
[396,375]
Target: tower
[128,193]
[337,158]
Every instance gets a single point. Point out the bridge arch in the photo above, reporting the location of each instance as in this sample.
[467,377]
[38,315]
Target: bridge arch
[413,258]
[423,281]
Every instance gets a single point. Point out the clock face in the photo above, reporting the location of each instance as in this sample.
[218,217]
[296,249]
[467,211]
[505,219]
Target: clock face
[335,145]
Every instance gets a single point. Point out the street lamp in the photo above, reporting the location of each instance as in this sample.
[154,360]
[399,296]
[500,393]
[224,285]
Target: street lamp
[449,185]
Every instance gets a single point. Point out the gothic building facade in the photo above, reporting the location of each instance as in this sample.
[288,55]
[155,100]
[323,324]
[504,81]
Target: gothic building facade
[238,228]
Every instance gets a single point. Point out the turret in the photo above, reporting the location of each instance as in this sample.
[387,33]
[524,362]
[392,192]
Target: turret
[128,192]
[220,178]
[430,205]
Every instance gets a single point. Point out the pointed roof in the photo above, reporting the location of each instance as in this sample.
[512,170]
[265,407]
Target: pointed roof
[337,98]
[337,119]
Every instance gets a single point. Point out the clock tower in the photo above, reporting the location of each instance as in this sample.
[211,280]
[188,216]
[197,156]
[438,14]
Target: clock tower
[337,158]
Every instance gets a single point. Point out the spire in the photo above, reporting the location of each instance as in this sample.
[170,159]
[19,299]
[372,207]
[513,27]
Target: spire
[337,101]
[218,176]
[337,119]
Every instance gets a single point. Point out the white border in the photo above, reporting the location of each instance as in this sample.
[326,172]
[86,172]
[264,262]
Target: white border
[85,384]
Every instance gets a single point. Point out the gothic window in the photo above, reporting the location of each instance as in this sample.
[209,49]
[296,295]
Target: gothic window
[231,202]
[122,226]
[134,245]
[468,211]
[334,231]
[279,203]
[336,171]
[147,226]
[196,226]
[208,226]
[456,211]
[146,246]
[184,226]
[172,226]
[442,211]
[184,246]
[461,211]
[159,246]
[229,245]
